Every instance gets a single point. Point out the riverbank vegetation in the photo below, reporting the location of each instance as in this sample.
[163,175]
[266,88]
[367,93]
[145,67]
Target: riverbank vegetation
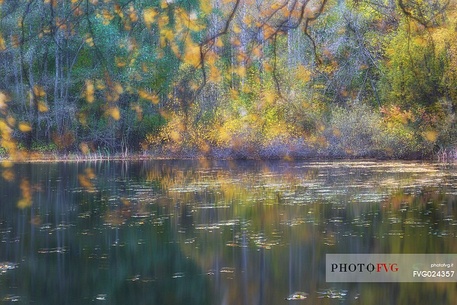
[229,79]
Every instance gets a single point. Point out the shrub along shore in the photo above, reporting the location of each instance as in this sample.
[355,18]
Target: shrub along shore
[356,132]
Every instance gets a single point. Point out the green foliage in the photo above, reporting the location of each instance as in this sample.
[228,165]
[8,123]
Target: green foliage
[44,148]
[413,71]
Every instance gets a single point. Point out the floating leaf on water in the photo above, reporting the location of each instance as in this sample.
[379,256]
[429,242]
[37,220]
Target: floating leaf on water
[101,297]
[58,250]
[5,266]
[207,227]
[189,241]
[227,270]
[333,293]
[11,298]
[297,296]
[178,275]
[134,278]
[211,272]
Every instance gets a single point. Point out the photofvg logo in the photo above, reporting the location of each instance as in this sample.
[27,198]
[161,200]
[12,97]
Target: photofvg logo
[391,267]
[361,267]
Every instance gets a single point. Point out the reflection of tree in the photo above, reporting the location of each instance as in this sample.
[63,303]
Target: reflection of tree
[240,233]
[72,255]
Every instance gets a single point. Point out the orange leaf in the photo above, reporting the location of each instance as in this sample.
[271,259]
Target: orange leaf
[24,127]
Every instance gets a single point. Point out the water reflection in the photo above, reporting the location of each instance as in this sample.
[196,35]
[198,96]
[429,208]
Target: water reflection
[200,232]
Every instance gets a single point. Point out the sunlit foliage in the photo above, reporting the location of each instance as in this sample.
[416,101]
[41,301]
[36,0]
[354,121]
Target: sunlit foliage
[225,78]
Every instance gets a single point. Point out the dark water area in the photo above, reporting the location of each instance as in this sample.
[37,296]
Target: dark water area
[225,232]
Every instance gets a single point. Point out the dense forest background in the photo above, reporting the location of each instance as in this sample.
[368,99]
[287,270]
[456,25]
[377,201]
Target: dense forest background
[226,78]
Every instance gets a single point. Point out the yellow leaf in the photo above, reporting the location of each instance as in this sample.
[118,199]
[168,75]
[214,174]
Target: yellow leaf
[99,84]
[270,96]
[26,190]
[7,164]
[120,62]
[163,20]
[257,52]
[3,100]
[8,175]
[206,6]
[219,43]
[241,71]
[234,94]
[89,93]
[118,88]
[89,40]
[275,6]
[247,20]
[149,15]
[89,172]
[24,127]
[175,136]
[148,96]
[236,42]
[132,14]
[24,203]
[118,10]
[39,91]
[267,67]
[114,113]
[42,107]
[303,73]
[240,57]
[86,183]
[175,49]
[192,54]
[107,16]
[214,75]
[2,43]
[82,118]
[211,58]
[431,135]
[11,121]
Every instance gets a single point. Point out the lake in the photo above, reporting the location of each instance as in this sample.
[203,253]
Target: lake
[218,232]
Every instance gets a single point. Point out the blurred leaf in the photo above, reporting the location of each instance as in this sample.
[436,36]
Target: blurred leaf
[26,190]
[114,113]
[149,15]
[24,127]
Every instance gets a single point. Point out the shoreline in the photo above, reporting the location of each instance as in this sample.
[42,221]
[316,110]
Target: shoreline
[52,157]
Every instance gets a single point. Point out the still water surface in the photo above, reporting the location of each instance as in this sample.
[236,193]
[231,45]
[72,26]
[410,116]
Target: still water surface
[201,232]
